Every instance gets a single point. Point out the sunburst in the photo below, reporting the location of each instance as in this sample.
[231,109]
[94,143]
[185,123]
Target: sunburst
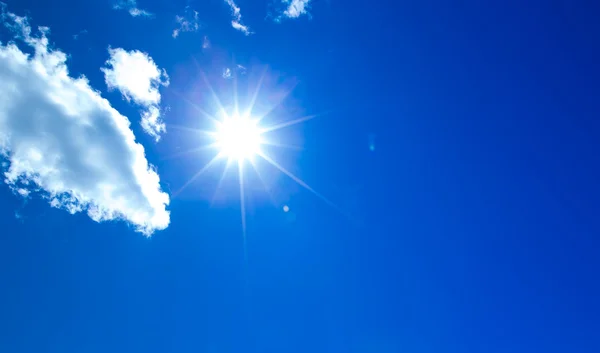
[239,138]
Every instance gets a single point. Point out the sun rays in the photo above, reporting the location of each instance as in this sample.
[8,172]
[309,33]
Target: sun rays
[237,137]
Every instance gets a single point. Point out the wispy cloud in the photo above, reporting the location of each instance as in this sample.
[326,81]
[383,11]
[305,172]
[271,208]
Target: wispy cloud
[131,7]
[63,141]
[188,22]
[235,10]
[77,35]
[205,43]
[238,70]
[236,18]
[241,69]
[137,77]
[240,27]
[226,73]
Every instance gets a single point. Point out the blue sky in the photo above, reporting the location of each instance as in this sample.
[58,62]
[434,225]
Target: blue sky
[430,183]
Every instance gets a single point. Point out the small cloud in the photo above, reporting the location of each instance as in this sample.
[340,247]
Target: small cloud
[60,137]
[292,9]
[188,22]
[228,73]
[236,18]
[131,7]
[135,74]
[137,77]
[240,27]
[82,32]
[205,43]
[296,8]
[23,192]
[152,123]
[135,12]
[235,10]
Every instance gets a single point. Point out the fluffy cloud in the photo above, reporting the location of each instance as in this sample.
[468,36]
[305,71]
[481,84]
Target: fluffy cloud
[188,22]
[236,18]
[131,7]
[137,77]
[60,138]
[296,8]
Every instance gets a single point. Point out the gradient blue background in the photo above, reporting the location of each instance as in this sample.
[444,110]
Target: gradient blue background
[474,224]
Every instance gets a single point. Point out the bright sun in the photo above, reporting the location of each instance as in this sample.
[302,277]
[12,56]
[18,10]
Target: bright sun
[239,137]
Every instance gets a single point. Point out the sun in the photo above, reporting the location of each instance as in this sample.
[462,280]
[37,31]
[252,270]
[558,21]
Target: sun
[244,137]
[238,137]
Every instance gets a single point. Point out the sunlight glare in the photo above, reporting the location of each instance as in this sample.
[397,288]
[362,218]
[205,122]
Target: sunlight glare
[239,137]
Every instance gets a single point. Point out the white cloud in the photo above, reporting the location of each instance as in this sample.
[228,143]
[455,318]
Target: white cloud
[131,7]
[59,137]
[137,77]
[295,8]
[135,74]
[205,43]
[236,18]
[135,12]
[235,10]
[240,27]
[152,123]
[187,23]
[23,192]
